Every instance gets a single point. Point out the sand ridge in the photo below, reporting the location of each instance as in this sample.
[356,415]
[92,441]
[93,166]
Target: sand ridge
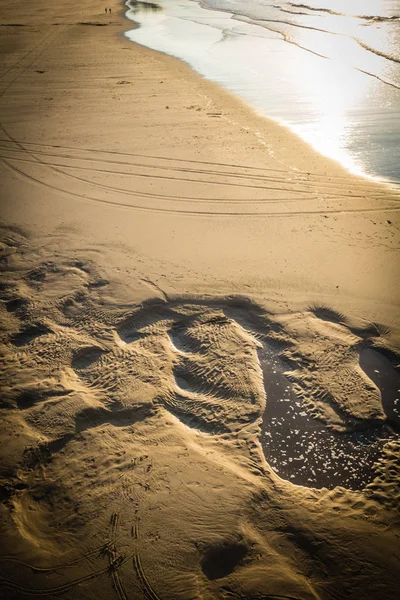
[157,237]
[138,437]
[95,143]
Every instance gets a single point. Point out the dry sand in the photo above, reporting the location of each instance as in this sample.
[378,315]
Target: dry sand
[157,238]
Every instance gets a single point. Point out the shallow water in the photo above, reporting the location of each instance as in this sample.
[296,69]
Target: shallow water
[328,69]
[380,370]
[302,449]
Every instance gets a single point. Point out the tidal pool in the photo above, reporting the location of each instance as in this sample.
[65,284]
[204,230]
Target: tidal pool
[302,450]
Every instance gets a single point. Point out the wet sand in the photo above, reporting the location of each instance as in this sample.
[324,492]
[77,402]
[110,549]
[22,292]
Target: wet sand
[304,451]
[150,249]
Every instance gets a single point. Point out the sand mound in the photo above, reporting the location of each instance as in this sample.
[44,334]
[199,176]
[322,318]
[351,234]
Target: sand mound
[135,436]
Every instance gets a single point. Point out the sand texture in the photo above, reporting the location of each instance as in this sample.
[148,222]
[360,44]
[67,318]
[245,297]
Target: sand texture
[199,336]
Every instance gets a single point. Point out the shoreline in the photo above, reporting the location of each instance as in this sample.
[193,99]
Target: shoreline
[132,332]
[346,160]
[209,125]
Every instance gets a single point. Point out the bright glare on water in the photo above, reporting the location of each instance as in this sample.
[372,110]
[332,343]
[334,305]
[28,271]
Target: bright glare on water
[328,69]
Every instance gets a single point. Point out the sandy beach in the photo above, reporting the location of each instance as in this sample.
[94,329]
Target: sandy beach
[162,246]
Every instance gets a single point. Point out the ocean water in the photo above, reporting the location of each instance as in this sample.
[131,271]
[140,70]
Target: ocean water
[327,69]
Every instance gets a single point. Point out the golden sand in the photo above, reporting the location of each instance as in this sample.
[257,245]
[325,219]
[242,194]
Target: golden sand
[156,234]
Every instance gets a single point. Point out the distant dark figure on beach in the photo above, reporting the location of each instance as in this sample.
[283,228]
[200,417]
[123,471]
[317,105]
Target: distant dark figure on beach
[109,10]
[105,10]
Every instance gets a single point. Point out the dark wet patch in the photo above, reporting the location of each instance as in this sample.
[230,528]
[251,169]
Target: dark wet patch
[381,371]
[220,560]
[302,450]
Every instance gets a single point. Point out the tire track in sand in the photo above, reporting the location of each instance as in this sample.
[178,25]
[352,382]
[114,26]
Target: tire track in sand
[182,212]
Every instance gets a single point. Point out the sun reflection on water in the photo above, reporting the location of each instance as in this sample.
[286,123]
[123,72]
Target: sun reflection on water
[331,72]
[332,93]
